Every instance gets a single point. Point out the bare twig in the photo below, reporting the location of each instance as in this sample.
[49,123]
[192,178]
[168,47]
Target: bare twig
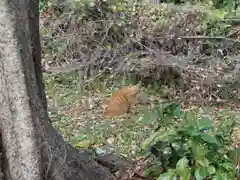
[204,37]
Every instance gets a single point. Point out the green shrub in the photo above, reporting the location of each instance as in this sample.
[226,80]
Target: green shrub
[192,148]
[42,5]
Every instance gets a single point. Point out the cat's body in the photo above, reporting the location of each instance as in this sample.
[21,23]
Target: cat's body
[121,100]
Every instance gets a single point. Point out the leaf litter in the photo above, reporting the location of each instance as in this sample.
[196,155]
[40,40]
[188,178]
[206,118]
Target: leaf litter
[118,135]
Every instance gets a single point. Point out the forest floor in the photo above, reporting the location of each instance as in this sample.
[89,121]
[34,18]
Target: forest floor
[77,114]
[189,45]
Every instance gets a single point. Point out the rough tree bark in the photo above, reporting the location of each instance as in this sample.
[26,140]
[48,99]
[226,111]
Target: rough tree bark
[32,148]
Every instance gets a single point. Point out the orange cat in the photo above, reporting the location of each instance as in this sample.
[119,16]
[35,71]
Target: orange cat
[121,100]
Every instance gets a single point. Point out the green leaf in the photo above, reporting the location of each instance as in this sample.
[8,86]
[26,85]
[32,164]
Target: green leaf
[193,131]
[178,112]
[228,166]
[172,108]
[151,139]
[210,138]
[182,163]
[84,144]
[201,173]
[220,176]
[203,162]
[149,117]
[182,169]
[81,137]
[185,174]
[198,150]
[159,136]
[170,175]
[197,175]
[204,123]
[152,171]
[211,170]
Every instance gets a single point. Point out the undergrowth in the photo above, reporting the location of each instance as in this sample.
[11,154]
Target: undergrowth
[193,148]
[182,53]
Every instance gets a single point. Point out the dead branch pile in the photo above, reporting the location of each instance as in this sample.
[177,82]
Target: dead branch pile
[156,43]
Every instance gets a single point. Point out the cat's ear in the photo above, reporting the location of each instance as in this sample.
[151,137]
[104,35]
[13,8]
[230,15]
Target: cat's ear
[135,88]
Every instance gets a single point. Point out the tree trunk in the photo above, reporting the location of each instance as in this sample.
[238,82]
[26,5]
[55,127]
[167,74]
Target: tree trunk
[33,149]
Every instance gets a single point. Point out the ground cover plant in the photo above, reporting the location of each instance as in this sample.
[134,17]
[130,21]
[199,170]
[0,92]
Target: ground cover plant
[193,149]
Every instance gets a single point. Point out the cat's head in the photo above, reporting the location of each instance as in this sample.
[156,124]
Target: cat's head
[134,89]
